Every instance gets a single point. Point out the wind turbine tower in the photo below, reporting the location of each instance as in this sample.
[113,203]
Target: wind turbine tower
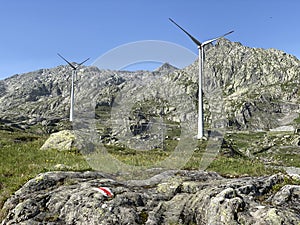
[74,76]
[200,46]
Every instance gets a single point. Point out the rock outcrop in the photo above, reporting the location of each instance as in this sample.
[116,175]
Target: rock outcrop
[172,197]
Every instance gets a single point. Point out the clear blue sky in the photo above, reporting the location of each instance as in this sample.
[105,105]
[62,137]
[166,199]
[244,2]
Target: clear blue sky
[33,31]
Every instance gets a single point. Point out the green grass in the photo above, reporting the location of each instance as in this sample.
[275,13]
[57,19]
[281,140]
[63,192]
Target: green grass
[226,166]
[284,158]
[21,159]
[137,157]
[291,160]
[239,166]
[243,140]
[297,120]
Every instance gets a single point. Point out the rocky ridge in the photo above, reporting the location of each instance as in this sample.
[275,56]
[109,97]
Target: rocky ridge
[258,90]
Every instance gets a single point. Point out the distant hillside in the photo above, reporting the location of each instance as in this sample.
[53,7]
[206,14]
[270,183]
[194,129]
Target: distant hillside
[245,88]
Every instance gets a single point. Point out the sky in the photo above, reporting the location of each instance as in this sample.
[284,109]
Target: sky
[34,31]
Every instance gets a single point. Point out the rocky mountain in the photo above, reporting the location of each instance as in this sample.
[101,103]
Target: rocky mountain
[244,88]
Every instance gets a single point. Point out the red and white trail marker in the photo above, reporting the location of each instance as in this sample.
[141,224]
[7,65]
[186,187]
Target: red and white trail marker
[104,191]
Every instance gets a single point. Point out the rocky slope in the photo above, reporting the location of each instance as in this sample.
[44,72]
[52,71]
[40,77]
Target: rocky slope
[251,88]
[259,87]
[172,197]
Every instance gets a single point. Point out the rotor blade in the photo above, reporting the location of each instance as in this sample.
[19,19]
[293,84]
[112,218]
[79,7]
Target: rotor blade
[187,33]
[83,62]
[70,64]
[228,33]
[214,39]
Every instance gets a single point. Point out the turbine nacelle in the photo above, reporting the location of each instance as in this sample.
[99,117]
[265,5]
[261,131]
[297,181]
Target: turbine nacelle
[215,39]
[73,66]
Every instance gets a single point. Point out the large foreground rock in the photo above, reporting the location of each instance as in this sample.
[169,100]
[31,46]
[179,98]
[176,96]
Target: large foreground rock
[62,140]
[172,197]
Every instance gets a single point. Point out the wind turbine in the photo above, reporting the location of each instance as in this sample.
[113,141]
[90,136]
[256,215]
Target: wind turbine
[200,46]
[74,75]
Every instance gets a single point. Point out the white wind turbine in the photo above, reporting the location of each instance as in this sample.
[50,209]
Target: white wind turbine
[200,46]
[74,74]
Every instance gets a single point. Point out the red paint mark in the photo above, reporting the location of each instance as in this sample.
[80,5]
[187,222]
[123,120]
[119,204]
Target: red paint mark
[105,191]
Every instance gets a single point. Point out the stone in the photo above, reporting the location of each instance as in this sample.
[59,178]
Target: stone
[283,128]
[62,141]
[288,193]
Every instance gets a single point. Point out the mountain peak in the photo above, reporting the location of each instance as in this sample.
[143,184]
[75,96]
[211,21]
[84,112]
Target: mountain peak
[166,67]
